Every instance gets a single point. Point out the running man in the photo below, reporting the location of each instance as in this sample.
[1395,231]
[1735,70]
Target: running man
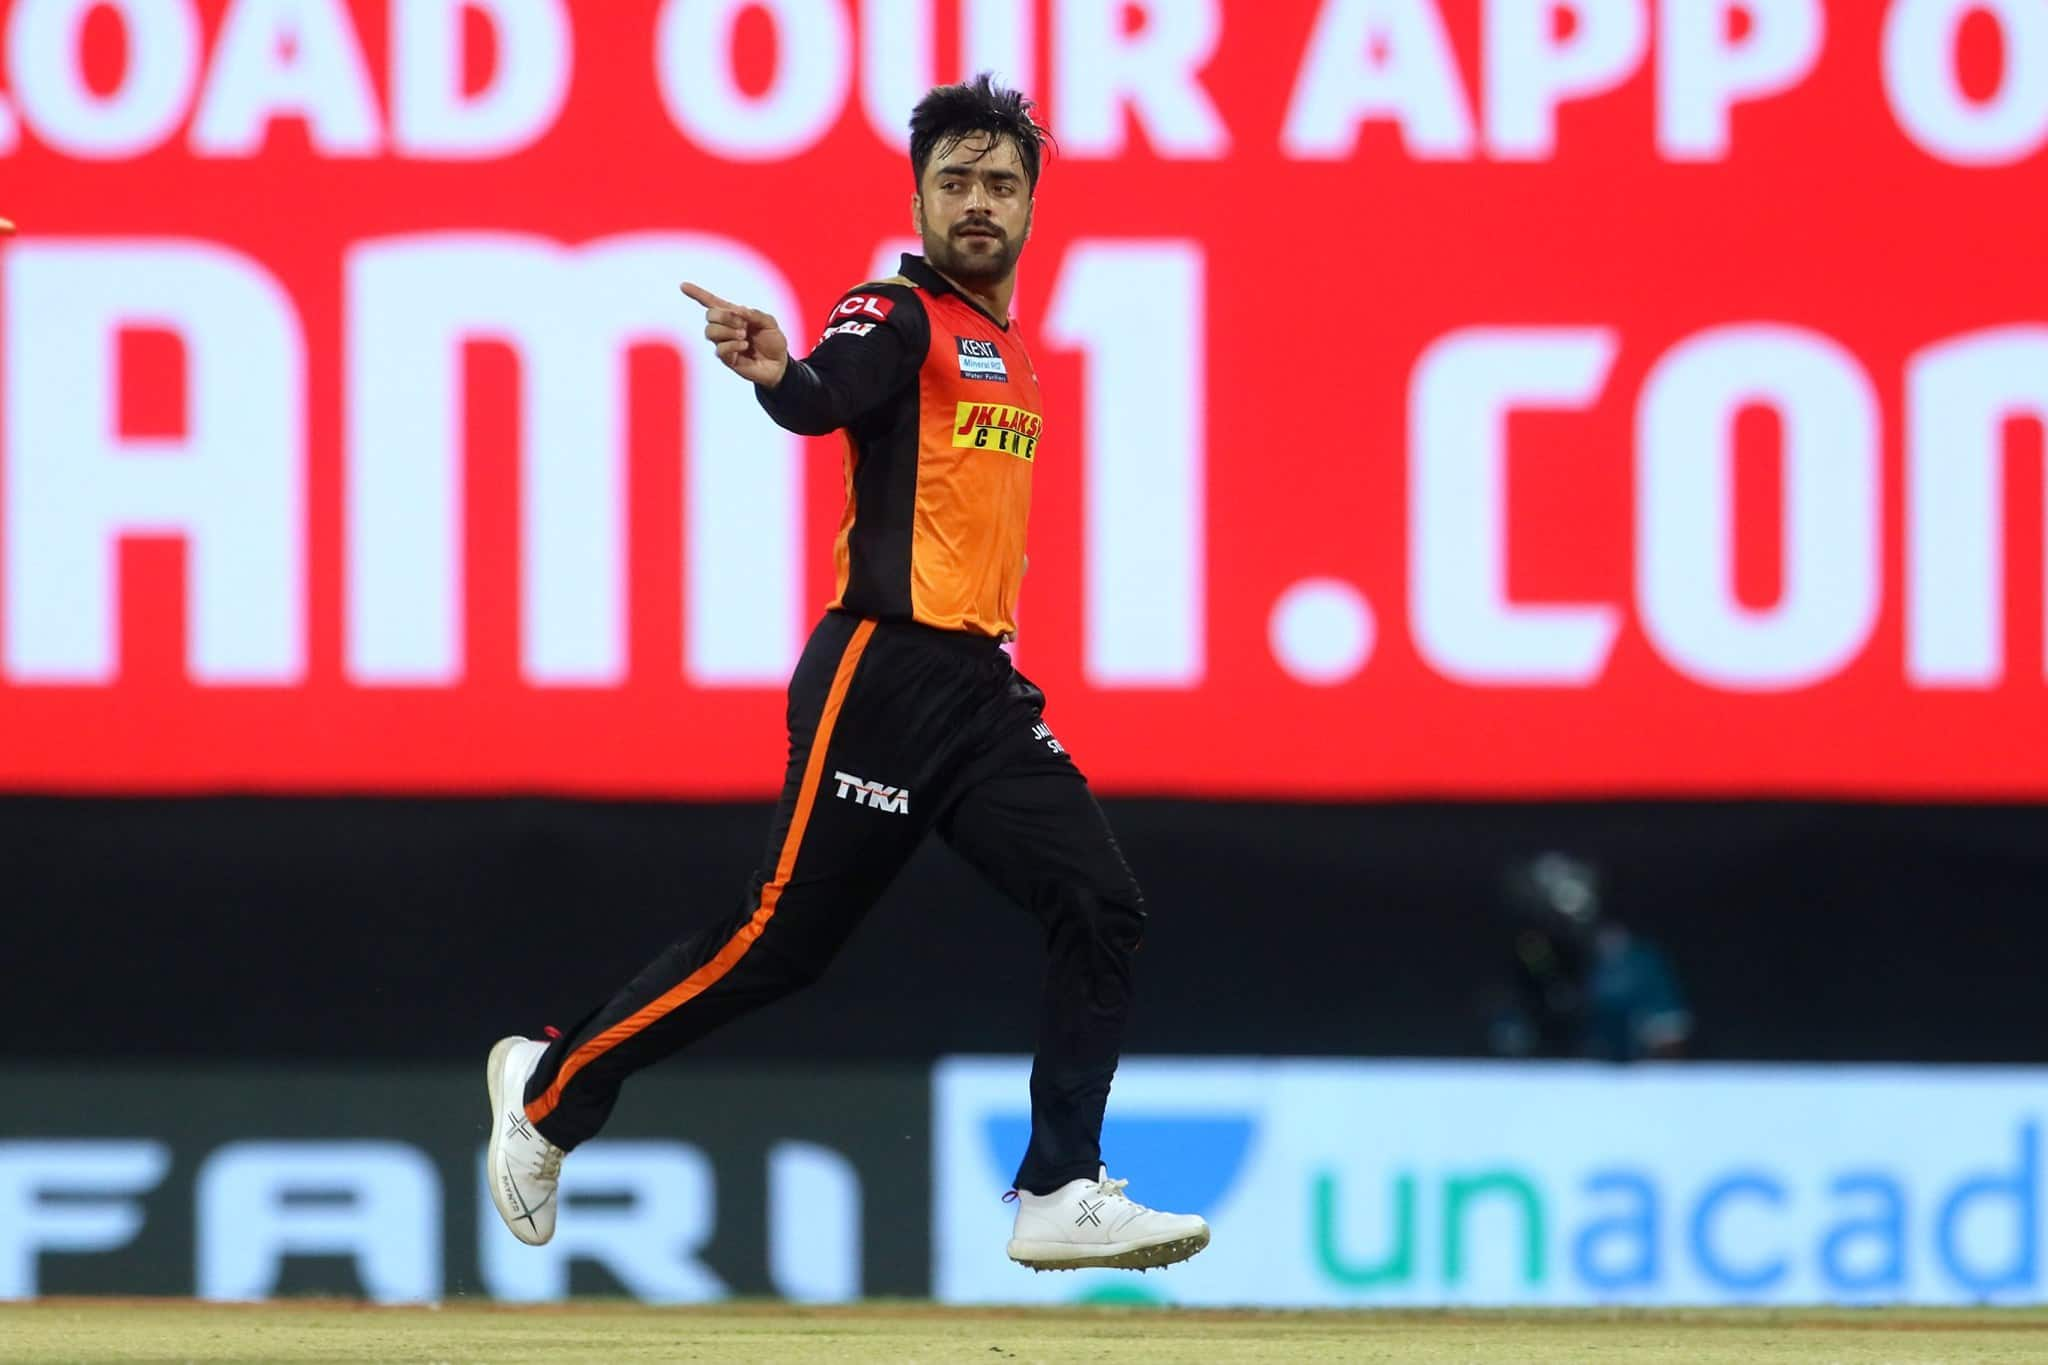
[905,713]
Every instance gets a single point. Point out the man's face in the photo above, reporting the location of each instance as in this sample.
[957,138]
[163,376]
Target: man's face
[973,208]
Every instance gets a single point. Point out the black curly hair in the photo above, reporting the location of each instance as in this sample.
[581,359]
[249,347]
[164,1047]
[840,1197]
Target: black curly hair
[952,112]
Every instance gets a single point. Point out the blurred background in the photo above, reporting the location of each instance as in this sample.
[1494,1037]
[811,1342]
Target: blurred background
[1538,543]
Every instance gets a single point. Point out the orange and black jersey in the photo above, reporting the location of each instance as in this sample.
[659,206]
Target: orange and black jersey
[941,412]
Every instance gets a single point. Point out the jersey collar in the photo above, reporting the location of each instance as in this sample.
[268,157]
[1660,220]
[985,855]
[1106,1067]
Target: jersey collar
[920,273]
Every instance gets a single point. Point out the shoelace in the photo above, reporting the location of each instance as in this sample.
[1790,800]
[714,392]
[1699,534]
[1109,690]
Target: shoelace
[551,1164]
[1106,1187]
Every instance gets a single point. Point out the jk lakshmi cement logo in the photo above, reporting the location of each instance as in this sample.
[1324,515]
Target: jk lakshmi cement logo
[1393,1183]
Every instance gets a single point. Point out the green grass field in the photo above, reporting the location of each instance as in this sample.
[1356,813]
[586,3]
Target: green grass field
[95,1330]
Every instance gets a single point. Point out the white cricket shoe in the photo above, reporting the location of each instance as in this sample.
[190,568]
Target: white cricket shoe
[1088,1224]
[522,1167]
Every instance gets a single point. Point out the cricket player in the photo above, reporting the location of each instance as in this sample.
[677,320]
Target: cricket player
[906,715]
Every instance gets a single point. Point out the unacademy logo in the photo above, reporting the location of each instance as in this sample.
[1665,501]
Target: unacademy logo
[1738,1233]
[895,800]
[1183,1162]
[1344,1182]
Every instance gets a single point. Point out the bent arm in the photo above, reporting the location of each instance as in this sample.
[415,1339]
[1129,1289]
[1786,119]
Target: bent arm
[863,360]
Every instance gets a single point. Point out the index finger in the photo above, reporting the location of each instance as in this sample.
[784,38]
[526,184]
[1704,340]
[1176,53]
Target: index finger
[705,296]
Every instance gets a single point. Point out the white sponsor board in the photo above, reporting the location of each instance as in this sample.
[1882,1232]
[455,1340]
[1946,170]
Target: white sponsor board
[1352,1183]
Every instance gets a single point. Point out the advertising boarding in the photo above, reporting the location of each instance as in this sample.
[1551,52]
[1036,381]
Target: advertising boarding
[237,1183]
[1460,398]
[1362,1184]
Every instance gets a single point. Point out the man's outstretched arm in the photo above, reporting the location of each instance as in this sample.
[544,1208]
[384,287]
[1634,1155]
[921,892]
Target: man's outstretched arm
[865,358]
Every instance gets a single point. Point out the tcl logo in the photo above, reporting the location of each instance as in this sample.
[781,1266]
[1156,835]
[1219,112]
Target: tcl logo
[870,305]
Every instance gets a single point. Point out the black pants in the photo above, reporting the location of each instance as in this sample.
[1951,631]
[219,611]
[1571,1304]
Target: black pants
[895,730]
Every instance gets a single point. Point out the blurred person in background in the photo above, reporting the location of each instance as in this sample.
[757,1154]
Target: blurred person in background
[1581,985]
[906,714]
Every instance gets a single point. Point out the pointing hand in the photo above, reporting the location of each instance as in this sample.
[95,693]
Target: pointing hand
[749,341]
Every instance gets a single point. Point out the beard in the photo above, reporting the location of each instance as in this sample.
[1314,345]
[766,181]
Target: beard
[975,259]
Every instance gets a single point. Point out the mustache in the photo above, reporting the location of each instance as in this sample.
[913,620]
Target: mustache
[971,228]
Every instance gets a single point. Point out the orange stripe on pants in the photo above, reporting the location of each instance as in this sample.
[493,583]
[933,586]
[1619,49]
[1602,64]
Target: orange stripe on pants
[701,980]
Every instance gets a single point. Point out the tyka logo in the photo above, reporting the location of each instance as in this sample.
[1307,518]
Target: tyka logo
[875,796]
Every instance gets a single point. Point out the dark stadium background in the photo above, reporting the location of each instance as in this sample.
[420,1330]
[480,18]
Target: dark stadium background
[414,930]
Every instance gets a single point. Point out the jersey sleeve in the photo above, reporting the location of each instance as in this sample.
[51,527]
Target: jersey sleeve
[873,345]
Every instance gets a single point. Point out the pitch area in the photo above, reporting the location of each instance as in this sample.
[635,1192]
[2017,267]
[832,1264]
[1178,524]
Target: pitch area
[123,1330]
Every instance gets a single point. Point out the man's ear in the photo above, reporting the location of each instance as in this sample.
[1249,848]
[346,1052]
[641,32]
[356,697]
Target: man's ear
[917,213]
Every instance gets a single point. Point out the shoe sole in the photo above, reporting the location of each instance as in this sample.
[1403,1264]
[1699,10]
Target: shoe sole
[1138,1256]
[494,1071]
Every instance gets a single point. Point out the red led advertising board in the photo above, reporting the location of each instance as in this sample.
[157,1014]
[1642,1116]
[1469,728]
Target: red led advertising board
[1496,398]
